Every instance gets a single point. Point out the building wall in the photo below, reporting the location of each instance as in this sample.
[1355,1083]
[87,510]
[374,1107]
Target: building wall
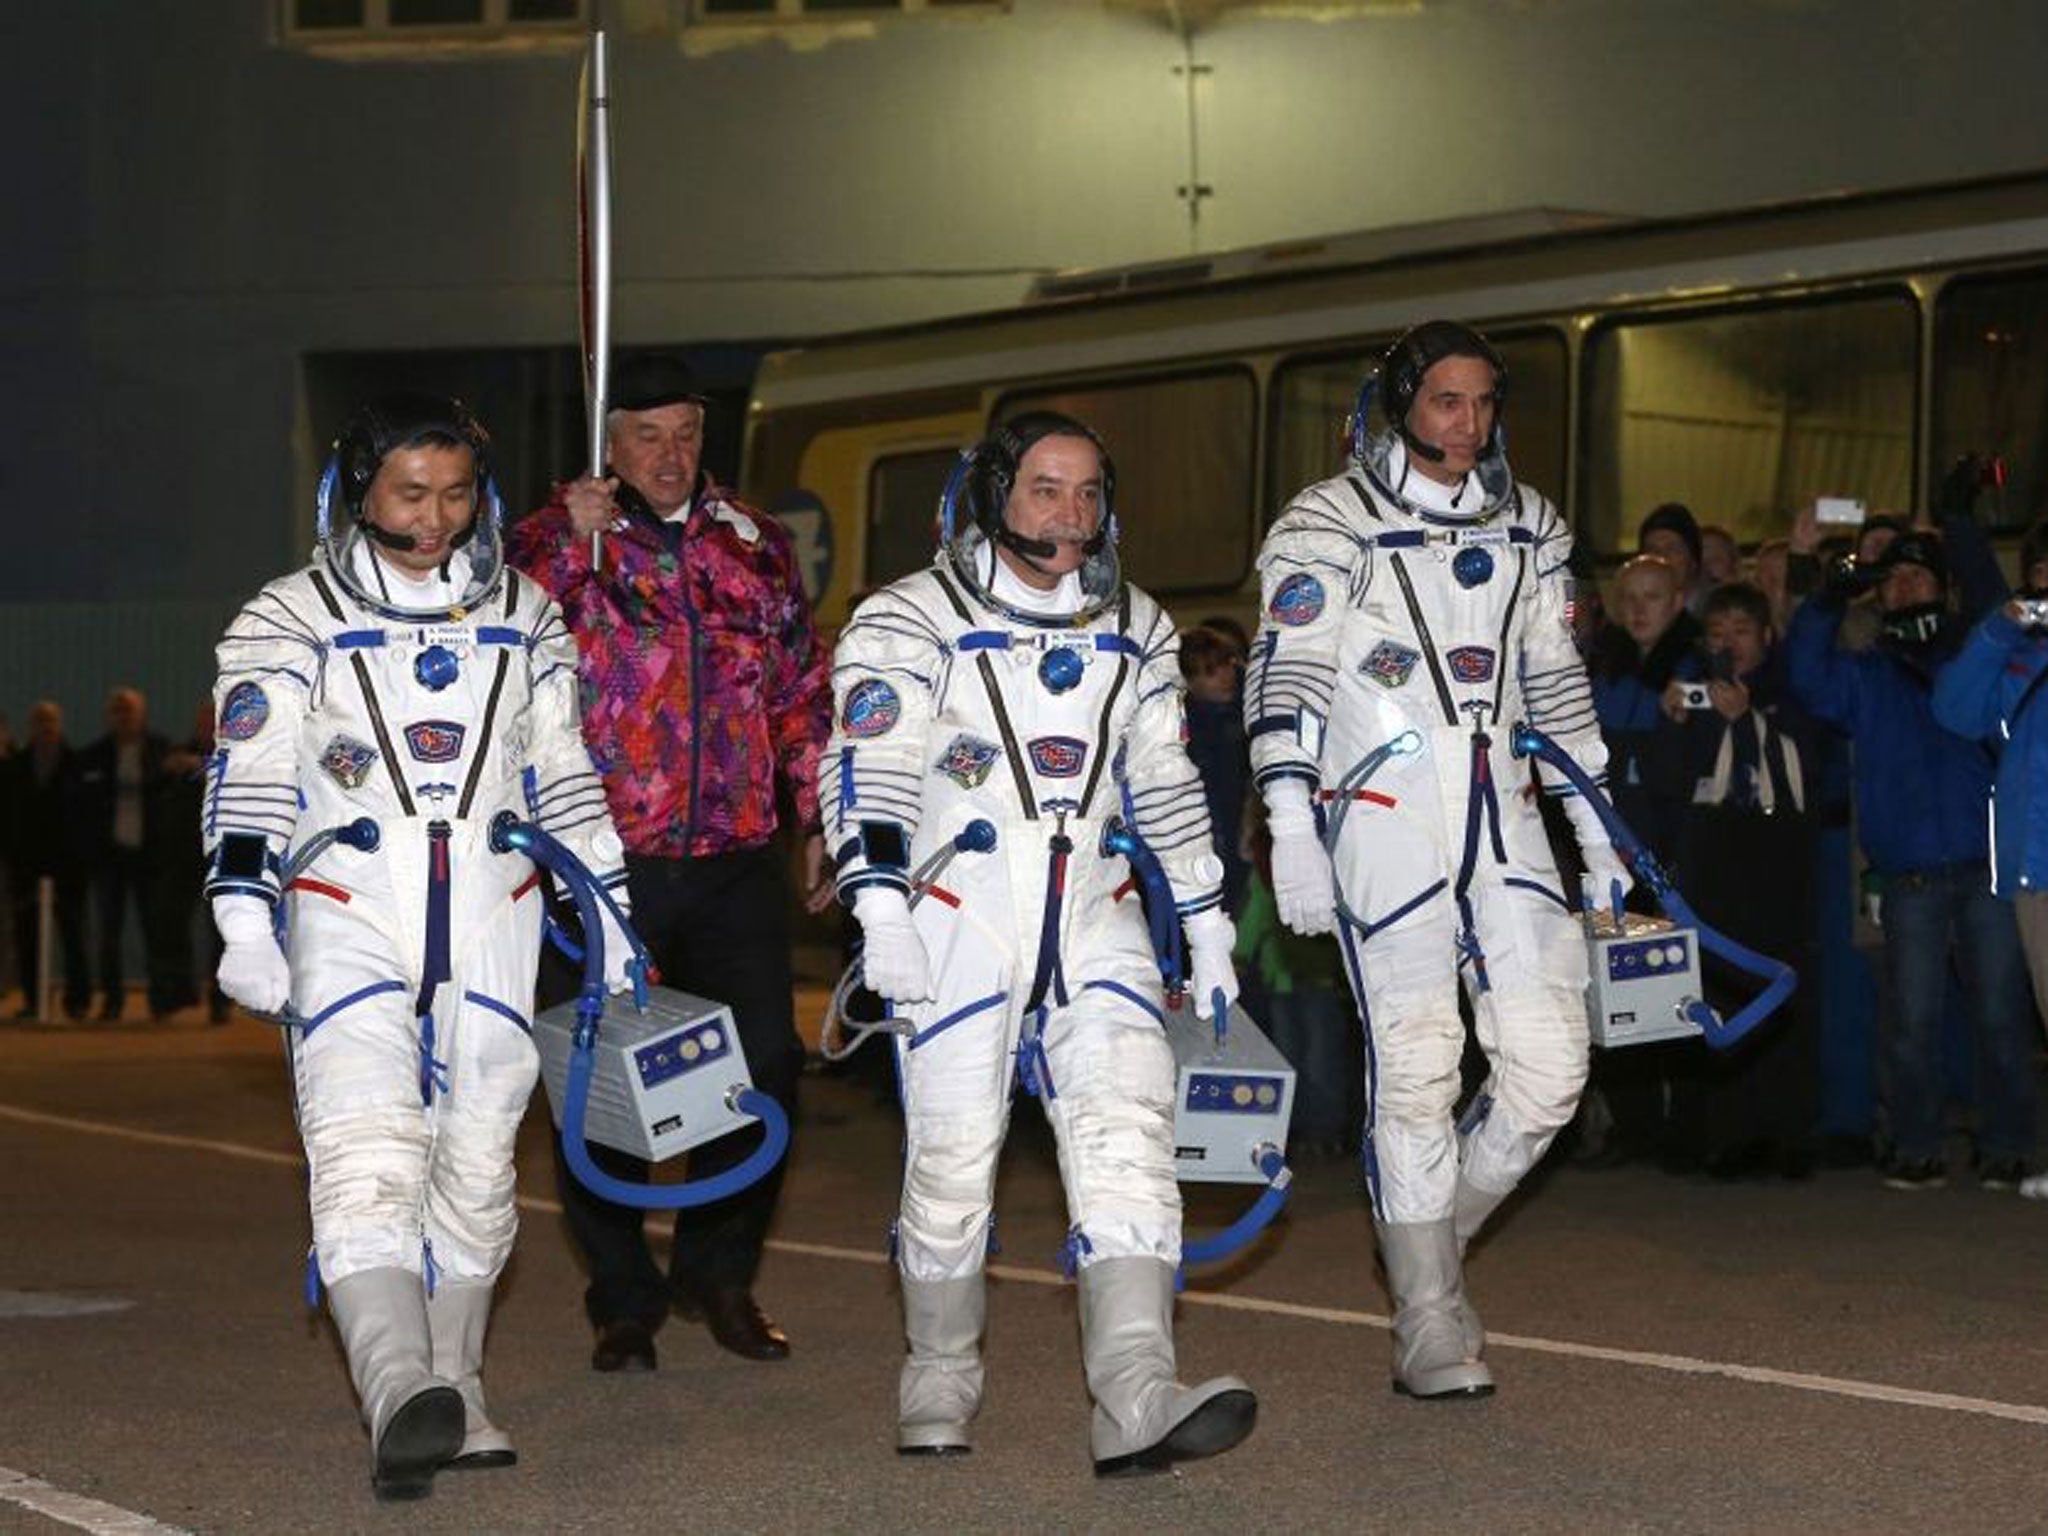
[200,208]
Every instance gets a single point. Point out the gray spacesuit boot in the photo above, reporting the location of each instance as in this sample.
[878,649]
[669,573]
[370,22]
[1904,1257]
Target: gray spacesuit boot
[1469,1214]
[1437,1337]
[1144,1419]
[458,1315]
[415,1419]
[940,1388]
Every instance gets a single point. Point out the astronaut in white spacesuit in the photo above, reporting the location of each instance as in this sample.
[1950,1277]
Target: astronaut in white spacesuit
[1415,607]
[403,690]
[1013,704]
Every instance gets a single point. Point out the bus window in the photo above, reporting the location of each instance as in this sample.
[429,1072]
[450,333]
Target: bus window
[1312,399]
[1745,415]
[1183,451]
[1991,387]
[903,510]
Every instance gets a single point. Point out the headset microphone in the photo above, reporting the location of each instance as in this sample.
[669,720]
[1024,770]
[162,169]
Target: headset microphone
[390,540]
[1417,446]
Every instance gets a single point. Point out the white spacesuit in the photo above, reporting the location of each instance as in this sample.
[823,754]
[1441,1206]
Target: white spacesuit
[427,703]
[970,702]
[1427,619]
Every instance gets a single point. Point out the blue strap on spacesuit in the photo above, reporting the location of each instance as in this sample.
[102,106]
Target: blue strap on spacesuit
[1479,804]
[435,966]
[1527,741]
[1034,1068]
[1072,1250]
[1047,975]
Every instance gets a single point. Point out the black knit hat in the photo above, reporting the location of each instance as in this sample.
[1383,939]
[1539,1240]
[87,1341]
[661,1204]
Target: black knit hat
[1677,517]
[1916,546]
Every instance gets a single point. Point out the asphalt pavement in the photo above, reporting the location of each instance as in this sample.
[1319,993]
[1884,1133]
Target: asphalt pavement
[1673,1355]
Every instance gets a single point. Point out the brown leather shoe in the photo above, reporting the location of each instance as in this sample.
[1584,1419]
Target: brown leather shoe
[623,1345]
[735,1322]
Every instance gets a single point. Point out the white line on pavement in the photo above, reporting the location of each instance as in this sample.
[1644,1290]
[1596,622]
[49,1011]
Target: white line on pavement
[76,1509]
[1685,1365]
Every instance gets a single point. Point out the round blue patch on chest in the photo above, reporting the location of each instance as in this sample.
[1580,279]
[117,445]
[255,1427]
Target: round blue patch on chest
[1060,669]
[436,668]
[1472,567]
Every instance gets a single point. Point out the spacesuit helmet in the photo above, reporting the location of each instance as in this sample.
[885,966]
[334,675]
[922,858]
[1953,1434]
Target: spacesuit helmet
[475,565]
[974,523]
[1396,381]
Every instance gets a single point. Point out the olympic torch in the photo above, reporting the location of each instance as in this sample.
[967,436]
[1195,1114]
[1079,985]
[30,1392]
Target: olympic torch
[594,249]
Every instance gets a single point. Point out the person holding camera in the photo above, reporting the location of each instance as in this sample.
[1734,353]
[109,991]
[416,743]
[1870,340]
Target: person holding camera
[1747,753]
[1991,693]
[1922,799]
[1651,642]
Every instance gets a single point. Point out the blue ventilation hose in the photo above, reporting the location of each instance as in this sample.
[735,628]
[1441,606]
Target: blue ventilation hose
[1527,741]
[509,833]
[1236,1237]
[1160,914]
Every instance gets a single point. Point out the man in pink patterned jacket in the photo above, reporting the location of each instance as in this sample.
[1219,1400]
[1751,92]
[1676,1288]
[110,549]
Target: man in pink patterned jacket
[704,690]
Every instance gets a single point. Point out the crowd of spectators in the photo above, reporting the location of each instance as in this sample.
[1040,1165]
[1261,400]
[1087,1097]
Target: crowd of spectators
[111,827]
[1757,710]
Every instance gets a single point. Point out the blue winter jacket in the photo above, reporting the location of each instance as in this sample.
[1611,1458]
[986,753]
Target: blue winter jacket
[1922,793]
[1993,692]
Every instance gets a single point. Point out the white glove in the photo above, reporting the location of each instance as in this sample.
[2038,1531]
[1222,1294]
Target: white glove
[618,953]
[1210,939]
[253,970]
[1604,870]
[1603,864]
[1304,884]
[892,960]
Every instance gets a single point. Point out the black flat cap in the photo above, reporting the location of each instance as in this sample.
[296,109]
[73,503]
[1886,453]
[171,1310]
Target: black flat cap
[654,379]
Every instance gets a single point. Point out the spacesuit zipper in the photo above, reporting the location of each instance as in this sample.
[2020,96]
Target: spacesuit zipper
[1422,635]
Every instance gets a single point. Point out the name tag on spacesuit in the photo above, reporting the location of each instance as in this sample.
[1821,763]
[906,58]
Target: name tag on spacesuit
[1475,536]
[455,637]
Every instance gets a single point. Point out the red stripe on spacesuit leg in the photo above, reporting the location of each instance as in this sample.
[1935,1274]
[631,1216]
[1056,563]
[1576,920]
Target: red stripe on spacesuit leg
[320,888]
[940,893]
[526,885]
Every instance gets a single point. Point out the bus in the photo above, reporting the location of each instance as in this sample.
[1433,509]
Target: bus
[1743,363]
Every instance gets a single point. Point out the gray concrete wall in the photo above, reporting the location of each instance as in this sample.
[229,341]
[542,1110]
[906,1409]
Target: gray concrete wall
[198,207]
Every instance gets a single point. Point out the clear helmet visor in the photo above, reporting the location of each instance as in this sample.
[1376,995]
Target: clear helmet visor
[473,571]
[971,553]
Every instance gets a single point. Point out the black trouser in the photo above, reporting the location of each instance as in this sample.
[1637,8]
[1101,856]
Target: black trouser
[174,898]
[121,877]
[717,927]
[69,903]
